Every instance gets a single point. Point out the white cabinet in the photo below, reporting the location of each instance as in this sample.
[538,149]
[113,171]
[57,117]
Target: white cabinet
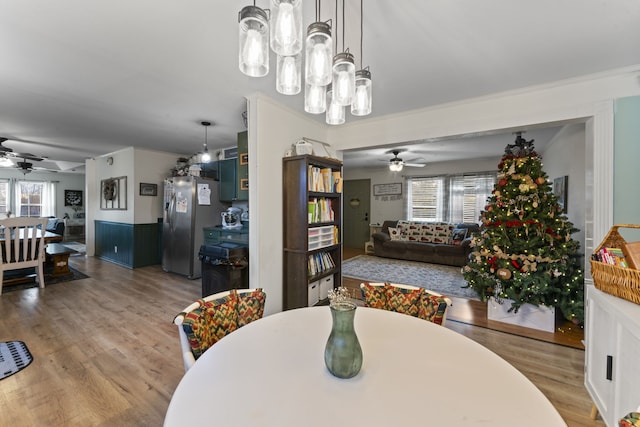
[612,351]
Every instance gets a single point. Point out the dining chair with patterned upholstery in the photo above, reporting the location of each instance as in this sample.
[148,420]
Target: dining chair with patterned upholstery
[209,319]
[22,246]
[406,299]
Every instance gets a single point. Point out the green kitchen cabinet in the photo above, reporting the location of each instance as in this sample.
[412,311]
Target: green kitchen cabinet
[234,174]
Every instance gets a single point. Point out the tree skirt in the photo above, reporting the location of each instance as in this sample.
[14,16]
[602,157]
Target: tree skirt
[443,279]
[14,357]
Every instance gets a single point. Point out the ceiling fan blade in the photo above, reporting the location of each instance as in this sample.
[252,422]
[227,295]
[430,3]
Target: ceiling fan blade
[415,165]
[27,156]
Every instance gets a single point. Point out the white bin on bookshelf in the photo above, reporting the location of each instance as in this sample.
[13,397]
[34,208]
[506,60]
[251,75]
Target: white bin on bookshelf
[313,293]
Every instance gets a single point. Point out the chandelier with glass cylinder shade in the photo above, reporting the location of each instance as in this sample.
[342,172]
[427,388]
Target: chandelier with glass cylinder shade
[331,82]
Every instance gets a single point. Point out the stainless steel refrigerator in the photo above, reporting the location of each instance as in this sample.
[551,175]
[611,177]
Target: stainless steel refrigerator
[190,204]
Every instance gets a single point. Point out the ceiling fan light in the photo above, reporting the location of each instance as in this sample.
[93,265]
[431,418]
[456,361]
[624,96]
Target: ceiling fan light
[361,105]
[253,54]
[286,27]
[315,99]
[335,113]
[395,165]
[289,74]
[5,162]
[318,54]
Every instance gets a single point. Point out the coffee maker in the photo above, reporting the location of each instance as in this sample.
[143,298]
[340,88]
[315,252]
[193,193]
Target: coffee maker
[231,218]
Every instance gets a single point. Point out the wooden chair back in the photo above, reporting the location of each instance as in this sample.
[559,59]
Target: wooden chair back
[22,245]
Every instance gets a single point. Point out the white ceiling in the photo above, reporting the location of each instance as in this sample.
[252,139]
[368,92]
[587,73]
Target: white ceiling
[80,79]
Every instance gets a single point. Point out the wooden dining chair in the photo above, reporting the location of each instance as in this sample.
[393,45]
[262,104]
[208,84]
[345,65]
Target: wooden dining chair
[210,319]
[22,246]
[411,300]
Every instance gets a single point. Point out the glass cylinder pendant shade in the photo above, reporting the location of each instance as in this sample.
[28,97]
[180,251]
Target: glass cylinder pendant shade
[315,101]
[254,41]
[289,74]
[286,27]
[318,54]
[361,105]
[344,79]
[335,113]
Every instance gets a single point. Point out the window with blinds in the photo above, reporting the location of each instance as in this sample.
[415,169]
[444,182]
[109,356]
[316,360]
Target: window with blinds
[450,198]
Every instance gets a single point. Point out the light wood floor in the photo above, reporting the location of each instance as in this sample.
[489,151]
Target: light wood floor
[106,353]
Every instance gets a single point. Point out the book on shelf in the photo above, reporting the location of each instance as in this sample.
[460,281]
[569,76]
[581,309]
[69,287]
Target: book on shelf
[320,262]
[320,210]
[632,254]
[324,180]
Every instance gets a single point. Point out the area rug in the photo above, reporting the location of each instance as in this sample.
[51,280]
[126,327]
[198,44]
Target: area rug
[14,357]
[30,282]
[443,279]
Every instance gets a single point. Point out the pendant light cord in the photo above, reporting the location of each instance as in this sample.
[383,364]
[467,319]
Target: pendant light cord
[343,25]
[361,30]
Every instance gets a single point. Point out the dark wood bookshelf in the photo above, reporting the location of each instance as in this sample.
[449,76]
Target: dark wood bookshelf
[296,197]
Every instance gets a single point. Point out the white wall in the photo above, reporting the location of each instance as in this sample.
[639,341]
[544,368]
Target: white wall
[138,165]
[566,155]
[272,130]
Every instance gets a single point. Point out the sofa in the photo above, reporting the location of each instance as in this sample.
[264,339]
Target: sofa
[432,242]
[56,226]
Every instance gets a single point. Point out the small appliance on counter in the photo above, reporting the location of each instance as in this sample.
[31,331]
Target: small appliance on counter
[231,218]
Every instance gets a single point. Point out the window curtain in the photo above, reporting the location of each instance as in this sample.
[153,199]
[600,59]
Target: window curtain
[49,193]
[468,196]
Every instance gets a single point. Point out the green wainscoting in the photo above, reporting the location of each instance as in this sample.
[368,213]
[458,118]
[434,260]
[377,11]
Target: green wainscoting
[130,245]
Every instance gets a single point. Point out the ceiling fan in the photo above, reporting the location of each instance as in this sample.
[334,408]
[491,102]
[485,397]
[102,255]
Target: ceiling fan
[396,163]
[8,152]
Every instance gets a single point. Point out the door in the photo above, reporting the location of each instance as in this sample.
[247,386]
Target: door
[356,212]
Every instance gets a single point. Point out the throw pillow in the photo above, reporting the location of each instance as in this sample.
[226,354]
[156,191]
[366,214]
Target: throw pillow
[432,308]
[402,300]
[394,233]
[374,295]
[221,315]
[458,235]
[250,306]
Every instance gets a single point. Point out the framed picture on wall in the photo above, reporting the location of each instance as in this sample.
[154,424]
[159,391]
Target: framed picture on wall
[147,189]
[387,189]
[72,197]
[560,189]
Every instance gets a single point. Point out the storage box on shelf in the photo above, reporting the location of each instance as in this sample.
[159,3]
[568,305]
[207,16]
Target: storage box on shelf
[312,203]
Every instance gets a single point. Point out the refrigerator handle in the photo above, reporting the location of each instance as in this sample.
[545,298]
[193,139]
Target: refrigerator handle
[171,211]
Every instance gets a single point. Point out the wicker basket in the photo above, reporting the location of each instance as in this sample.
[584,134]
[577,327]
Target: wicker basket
[612,279]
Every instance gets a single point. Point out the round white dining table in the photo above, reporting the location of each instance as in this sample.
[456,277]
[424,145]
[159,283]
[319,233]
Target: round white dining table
[271,373]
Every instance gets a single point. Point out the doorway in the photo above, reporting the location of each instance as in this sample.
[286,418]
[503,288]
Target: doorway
[357,209]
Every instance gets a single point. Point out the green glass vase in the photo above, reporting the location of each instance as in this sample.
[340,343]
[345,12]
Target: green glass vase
[343,354]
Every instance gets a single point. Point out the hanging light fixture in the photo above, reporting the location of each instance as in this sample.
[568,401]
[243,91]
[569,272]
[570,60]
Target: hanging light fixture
[361,105]
[253,54]
[288,74]
[286,27]
[315,101]
[335,112]
[344,72]
[322,66]
[205,158]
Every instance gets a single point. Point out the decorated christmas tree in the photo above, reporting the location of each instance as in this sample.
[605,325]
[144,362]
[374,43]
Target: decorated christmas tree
[524,251]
